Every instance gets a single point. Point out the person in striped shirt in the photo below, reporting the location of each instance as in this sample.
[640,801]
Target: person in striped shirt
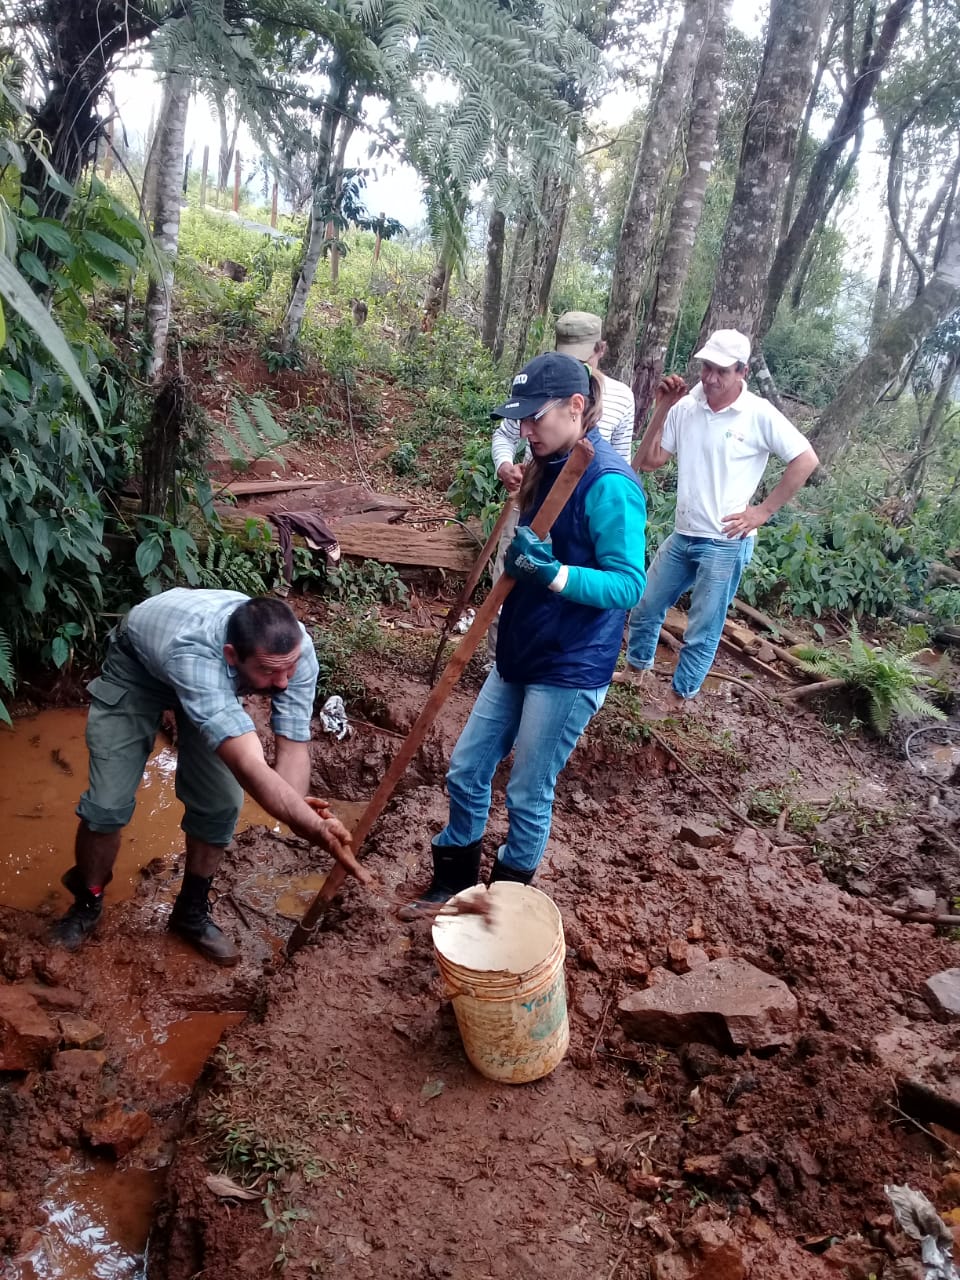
[578,335]
[196,653]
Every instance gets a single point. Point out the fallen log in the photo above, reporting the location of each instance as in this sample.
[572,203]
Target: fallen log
[809,690]
[749,660]
[769,624]
[918,917]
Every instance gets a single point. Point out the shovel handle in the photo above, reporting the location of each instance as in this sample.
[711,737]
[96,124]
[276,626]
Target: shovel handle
[576,464]
[483,559]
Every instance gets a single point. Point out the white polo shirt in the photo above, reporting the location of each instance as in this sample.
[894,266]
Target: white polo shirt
[721,457]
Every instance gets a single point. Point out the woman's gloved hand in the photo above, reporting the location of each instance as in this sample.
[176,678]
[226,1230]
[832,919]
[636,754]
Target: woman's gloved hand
[531,559]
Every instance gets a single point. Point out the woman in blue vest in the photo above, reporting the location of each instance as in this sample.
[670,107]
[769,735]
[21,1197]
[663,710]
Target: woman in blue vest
[560,630]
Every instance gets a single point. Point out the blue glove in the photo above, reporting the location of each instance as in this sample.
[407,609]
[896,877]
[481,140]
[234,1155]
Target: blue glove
[531,559]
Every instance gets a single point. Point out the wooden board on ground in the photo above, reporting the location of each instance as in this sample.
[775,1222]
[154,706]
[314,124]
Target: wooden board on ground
[451,547]
[333,499]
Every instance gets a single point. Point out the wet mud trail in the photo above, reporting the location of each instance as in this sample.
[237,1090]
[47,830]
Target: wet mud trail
[339,1130]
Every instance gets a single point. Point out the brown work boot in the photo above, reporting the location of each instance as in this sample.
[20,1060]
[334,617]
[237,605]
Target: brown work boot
[190,920]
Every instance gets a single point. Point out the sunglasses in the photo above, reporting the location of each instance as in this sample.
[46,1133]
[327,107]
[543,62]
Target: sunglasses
[541,413]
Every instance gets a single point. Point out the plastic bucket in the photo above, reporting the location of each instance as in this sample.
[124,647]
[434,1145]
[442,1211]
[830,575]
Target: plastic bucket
[506,982]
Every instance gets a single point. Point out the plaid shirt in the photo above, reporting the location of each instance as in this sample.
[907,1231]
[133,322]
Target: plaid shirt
[179,637]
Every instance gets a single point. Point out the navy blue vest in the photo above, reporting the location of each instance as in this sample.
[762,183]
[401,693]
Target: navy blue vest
[543,638]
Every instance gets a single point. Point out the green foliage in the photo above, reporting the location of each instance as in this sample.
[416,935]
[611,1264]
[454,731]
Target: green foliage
[359,587]
[337,645]
[251,564]
[255,435]
[888,679]
[476,490]
[7,673]
[403,460]
[56,453]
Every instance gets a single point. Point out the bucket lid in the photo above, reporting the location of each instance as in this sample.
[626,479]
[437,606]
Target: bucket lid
[520,933]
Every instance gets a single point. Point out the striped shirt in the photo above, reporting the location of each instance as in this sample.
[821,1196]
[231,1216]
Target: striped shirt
[179,636]
[615,425]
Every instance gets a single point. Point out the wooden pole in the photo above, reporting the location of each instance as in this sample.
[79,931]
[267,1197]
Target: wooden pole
[331,235]
[379,240]
[273,204]
[236,182]
[469,586]
[203,176]
[563,487]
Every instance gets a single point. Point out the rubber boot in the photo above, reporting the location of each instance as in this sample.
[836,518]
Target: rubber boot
[455,867]
[502,872]
[82,918]
[190,920]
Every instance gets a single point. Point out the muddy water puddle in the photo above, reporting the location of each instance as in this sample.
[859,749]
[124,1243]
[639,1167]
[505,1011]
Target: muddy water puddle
[98,1216]
[43,770]
[95,1227]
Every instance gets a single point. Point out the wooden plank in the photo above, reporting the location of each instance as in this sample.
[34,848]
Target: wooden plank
[449,548]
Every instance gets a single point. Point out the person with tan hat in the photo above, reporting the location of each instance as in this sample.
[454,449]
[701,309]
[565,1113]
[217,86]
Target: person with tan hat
[578,334]
[722,436]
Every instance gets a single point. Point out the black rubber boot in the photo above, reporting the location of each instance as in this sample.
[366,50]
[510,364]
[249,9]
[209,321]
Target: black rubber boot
[82,918]
[455,868]
[502,872]
[190,920]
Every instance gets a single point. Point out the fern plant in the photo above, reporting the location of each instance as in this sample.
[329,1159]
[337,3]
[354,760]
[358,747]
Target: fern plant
[889,680]
[255,434]
[7,673]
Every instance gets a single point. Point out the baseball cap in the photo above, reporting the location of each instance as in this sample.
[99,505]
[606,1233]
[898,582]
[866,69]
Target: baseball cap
[578,333]
[548,377]
[724,348]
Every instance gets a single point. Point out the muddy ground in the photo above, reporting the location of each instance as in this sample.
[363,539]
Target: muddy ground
[343,1101]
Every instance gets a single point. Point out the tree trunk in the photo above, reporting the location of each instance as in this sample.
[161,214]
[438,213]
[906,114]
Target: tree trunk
[87,35]
[493,278]
[915,472]
[826,49]
[438,288]
[552,242]
[701,143]
[881,296]
[529,290]
[866,381]
[653,163]
[841,178]
[510,288]
[228,139]
[766,157]
[160,450]
[330,117]
[847,126]
[166,217]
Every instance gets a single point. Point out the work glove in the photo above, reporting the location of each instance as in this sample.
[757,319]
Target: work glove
[531,559]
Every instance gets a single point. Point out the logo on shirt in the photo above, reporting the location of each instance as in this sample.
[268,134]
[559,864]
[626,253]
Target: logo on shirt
[735,435]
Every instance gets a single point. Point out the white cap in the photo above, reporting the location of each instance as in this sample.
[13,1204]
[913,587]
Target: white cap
[725,347]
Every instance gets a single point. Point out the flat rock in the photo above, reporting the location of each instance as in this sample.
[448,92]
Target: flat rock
[711,1252]
[943,991]
[751,844]
[726,1002]
[80,1033]
[700,834]
[118,1128]
[73,1065]
[921,1062]
[27,1036]
[54,997]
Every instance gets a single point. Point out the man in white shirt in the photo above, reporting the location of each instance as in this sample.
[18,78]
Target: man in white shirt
[578,335]
[722,436]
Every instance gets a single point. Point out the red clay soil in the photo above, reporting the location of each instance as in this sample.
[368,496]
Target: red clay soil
[628,1156]
[327,1100]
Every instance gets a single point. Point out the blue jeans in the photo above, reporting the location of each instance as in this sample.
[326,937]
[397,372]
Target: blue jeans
[542,723]
[710,568]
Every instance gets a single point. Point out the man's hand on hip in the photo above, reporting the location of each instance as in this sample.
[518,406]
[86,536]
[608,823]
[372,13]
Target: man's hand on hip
[511,475]
[743,523]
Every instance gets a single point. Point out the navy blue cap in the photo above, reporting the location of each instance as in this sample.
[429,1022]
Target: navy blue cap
[551,376]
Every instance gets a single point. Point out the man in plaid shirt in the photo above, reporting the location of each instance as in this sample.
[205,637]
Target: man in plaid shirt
[196,653]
